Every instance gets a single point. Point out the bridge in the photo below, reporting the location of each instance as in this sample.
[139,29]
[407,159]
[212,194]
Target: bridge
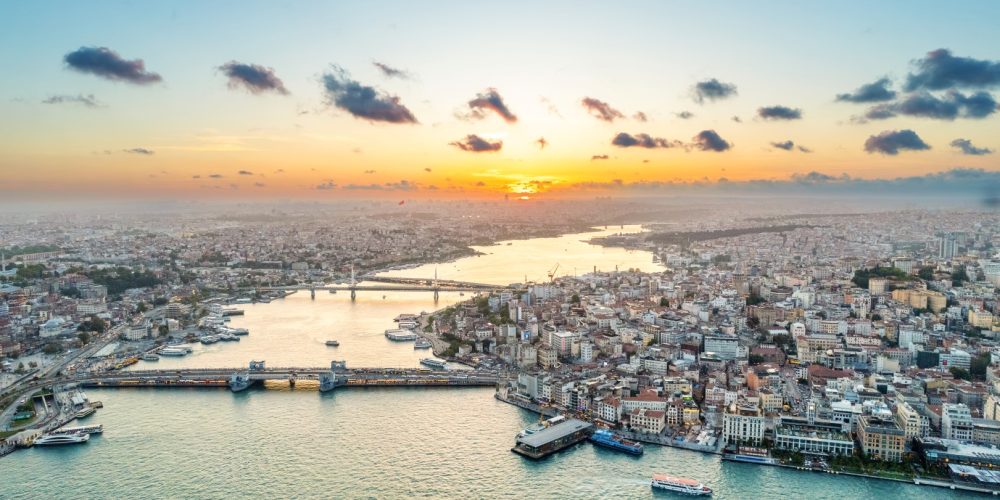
[391,284]
[337,375]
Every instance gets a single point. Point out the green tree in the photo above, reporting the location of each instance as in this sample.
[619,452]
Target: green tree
[52,348]
[926,273]
[980,365]
[959,276]
[664,302]
[755,359]
[84,337]
[960,373]
[575,299]
[141,308]
[163,330]
[20,368]
[32,364]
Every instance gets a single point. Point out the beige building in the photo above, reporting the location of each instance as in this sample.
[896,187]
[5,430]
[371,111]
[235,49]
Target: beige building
[881,439]
[743,422]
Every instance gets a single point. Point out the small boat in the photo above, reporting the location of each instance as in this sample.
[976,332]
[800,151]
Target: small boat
[400,335]
[58,439]
[332,343]
[85,412]
[437,364]
[422,344]
[175,351]
[608,439]
[151,357]
[679,485]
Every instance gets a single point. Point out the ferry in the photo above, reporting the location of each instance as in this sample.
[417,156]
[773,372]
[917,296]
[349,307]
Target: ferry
[527,431]
[85,412]
[433,363]
[400,335]
[407,324]
[750,455]
[608,439]
[332,343]
[150,357]
[57,439]
[209,339]
[175,351]
[83,429]
[680,485]
[422,344]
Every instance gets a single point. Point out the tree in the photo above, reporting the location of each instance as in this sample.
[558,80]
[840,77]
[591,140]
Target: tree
[664,302]
[959,276]
[575,299]
[980,365]
[32,364]
[960,373]
[52,348]
[141,308]
[163,330]
[20,368]
[755,359]
[84,337]
[160,301]
[926,273]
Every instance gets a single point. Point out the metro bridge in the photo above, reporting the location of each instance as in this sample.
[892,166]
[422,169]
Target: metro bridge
[392,284]
[337,375]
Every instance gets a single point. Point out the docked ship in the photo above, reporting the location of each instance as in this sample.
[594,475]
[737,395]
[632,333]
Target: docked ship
[750,455]
[527,431]
[680,485]
[175,350]
[85,412]
[209,339]
[150,357]
[551,439]
[400,335]
[332,343]
[437,364]
[422,344]
[608,439]
[58,439]
[83,429]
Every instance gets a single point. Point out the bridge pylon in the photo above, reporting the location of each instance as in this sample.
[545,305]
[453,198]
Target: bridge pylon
[312,293]
[330,380]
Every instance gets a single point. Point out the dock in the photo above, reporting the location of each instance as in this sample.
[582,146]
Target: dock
[552,439]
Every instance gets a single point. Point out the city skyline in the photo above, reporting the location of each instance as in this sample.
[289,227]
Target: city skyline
[453,101]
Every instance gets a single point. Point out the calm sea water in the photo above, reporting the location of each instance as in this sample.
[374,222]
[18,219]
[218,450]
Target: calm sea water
[370,443]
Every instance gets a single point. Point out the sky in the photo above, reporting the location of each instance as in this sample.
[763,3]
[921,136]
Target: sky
[332,100]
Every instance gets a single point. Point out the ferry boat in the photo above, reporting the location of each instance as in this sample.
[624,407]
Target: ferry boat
[422,344]
[542,425]
[407,324]
[433,363]
[85,412]
[400,335]
[150,357]
[332,343]
[58,439]
[608,439]
[750,455]
[83,429]
[175,351]
[679,485]
[209,339]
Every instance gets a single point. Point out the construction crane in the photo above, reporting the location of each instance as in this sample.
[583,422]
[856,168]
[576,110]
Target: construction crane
[552,273]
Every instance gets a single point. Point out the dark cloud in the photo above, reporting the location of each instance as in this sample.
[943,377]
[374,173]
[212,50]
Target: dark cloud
[196,177]
[712,90]
[640,116]
[601,110]
[891,142]
[542,143]
[737,119]
[476,144]
[625,140]
[403,185]
[876,91]
[952,105]
[427,169]
[258,184]
[709,140]
[940,70]
[369,171]
[216,176]
[87,100]
[487,101]
[326,186]
[685,115]
[779,113]
[599,157]
[253,78]
[245,172]
[139,151]
[390,72]
[968,148]
[789,145]
[815,177]
[480,184]
[362,101]
[106,63]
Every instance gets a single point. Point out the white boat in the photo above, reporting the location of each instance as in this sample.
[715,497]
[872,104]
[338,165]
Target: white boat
[434,363]
[400,334]
[150,357]
[407,324]
[679,485]
[83,429]
[174,351]
[85,412]
[422,344]
[57,439]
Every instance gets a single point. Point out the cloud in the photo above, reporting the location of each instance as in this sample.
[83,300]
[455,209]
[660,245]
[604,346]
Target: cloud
[736,119]
[326,186]
[362,101]
[87,100]
[487,101]
[712,90]
[876,91]
[196,177]
[427,169]
[939,70]
[369,171]
[601,110]
[923,104]
[789,145]
[390,72]
[968,148]
[815,177]
[476,144]
[599,157]
[216,176]
[480,184]
[542,143]
[551,107]
[259,184]
[403,185]
[625,140]
[245,172]
[891,142]
[709,140]
[253,78]
[685,115]
[640,116]
[779,113]
[139,151]
[106,63]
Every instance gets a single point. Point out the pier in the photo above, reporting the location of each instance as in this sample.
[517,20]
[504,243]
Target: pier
[389,284]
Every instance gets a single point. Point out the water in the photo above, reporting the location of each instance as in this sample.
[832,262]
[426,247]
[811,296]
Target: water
[373,442]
